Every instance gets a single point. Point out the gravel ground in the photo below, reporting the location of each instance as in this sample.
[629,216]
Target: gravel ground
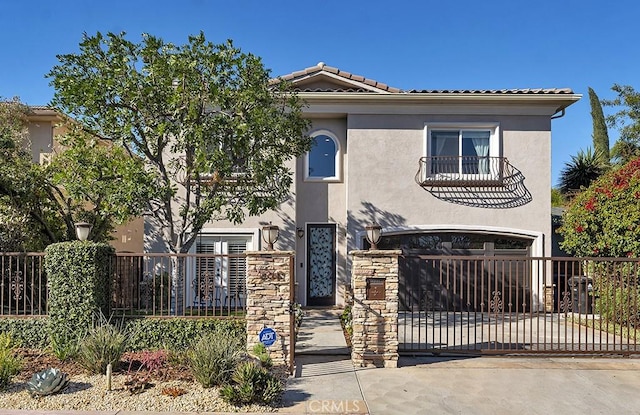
[90,393]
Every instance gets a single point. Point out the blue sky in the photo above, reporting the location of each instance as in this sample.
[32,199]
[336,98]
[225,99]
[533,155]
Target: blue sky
[491,44]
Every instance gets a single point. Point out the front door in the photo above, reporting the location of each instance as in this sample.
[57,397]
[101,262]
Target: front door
[321,264]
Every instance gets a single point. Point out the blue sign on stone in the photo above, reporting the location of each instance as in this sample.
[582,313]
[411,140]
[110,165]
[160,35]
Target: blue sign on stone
[267,336]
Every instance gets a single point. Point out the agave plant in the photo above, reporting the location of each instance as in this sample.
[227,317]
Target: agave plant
[47,382]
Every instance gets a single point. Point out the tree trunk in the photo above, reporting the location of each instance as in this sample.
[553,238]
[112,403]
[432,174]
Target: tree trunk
[177,285]
[178,276]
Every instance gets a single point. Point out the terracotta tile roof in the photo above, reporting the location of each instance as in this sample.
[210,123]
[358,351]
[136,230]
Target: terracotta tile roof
[43,110]
[322,67]
[353,79]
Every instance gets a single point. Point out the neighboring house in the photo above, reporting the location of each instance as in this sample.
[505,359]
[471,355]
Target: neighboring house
[442,171]
[45,124]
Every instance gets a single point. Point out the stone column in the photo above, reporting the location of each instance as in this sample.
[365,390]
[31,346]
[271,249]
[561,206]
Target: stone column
[374,279]
[269,277]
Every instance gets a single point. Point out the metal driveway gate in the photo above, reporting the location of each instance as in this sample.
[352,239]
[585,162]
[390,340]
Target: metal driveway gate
[516,305]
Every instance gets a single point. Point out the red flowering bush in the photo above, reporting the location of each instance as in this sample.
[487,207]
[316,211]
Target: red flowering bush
[604,220]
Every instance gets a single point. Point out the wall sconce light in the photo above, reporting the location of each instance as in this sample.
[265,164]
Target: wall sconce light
[300,232]
[270,235]
[82,230]
[374,233]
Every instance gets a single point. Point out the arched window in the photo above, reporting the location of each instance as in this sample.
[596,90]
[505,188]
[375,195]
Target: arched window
[322,162]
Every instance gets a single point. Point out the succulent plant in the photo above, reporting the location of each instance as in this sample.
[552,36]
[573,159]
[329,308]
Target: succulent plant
[47,382]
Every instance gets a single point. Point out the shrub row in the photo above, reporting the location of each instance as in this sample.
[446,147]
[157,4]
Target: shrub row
[178,333]
[143,333]
[27,332]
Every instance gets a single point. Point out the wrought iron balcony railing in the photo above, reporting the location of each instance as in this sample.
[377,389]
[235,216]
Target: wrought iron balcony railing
[438,171]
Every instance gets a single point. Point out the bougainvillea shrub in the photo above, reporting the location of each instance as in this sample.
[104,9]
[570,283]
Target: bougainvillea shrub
[604,220]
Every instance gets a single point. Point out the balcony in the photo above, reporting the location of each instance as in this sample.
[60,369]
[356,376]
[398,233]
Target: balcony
[464,171]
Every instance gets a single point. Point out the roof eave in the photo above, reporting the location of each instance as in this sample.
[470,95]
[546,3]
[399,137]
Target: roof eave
[562,100]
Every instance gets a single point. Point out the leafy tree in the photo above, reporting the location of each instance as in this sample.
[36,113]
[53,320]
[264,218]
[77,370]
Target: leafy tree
[212,129]
[625,149]
[627,121]
[600,134]
[26,212]
[86,180]
[604,220]
[557,198]
[580,172]
[13,123]
[97,182]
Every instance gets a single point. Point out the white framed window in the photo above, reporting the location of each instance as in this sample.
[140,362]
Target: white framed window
[219,279]
[466,151]
[323,161]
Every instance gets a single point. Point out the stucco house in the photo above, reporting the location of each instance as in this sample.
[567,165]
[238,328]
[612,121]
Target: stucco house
[442,171]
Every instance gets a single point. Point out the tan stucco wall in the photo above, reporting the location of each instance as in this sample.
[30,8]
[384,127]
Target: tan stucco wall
[41,138]
[323,202]
[44,126]
[385,150]
[284,218]
[129,237]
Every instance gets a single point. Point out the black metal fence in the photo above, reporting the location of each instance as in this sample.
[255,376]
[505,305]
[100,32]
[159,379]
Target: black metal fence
[142,285]
[513,305]
[23,288]
[179,284]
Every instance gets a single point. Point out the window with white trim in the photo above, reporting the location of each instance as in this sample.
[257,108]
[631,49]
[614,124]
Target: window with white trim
[466,151]
[220,278]
[322,162]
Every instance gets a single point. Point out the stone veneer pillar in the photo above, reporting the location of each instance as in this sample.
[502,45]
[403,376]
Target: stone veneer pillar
[375,321]
[268,300]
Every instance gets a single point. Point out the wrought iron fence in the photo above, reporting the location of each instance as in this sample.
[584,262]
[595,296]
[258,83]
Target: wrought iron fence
[463,171]
[142,285]
[514,305]
[23,289]
[179,285]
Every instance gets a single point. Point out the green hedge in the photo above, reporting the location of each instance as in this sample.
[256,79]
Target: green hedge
[79,280]
[143,333]
[177,333]
[27,332]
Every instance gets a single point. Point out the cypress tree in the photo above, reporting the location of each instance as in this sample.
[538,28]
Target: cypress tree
[600,135]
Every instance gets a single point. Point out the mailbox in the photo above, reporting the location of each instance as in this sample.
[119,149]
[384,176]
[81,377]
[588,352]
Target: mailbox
[375,289]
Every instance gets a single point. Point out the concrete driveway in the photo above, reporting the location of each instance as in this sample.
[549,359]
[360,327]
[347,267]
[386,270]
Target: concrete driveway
[493,386]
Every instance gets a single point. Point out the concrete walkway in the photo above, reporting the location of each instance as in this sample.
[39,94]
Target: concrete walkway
[324,380]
